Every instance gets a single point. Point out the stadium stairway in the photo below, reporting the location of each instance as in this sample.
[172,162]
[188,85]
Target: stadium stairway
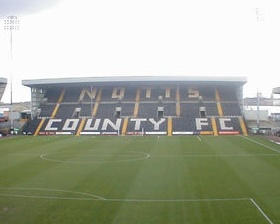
[243,126]
[169,127]
[214,126]
[218,100]
[95,109]
[39,127]
[137,99]
[58,103]
[124,128]
[81,126]
[178,105]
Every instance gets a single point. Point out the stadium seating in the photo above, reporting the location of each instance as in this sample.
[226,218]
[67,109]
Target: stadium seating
[46,110]
[231,109]
[128,110]
[30,126]
[52,94]
[72,95]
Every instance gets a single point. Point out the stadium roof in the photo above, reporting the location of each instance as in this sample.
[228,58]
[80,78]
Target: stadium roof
[3,80]
[276,90]
[3,84]
[41,83]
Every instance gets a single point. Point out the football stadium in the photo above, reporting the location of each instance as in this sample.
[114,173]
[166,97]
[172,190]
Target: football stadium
[138,150]
[137,106]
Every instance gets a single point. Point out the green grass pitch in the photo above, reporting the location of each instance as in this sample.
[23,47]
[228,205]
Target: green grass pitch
[148,179]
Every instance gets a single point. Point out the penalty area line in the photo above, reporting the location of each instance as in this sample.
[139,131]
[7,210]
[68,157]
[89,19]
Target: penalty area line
[261,211]
[99,198]
[52,197]
[90,197]
[178,200]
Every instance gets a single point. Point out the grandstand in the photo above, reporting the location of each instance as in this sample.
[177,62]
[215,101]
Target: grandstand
[3,116]
[3,84]
[276,90]
[137,106]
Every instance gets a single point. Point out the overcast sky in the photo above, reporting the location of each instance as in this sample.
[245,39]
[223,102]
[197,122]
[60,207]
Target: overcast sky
[67,38]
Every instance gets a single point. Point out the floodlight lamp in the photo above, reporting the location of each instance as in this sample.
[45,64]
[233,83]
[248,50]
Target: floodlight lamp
[11,23]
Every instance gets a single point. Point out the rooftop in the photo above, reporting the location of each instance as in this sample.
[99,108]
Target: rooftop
[240,80]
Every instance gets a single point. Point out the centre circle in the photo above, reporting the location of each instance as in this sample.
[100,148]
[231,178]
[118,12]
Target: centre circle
[95,156]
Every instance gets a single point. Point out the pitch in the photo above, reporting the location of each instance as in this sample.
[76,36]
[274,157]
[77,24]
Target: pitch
[183,179]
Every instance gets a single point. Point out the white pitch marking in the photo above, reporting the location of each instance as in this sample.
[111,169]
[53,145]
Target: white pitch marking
[54,190]
[52,197]
[24,154]
[92,197]
[99,198]
[220,155]
[198,138]
[260,210]
[266,146]
[179,200]
[145,156]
